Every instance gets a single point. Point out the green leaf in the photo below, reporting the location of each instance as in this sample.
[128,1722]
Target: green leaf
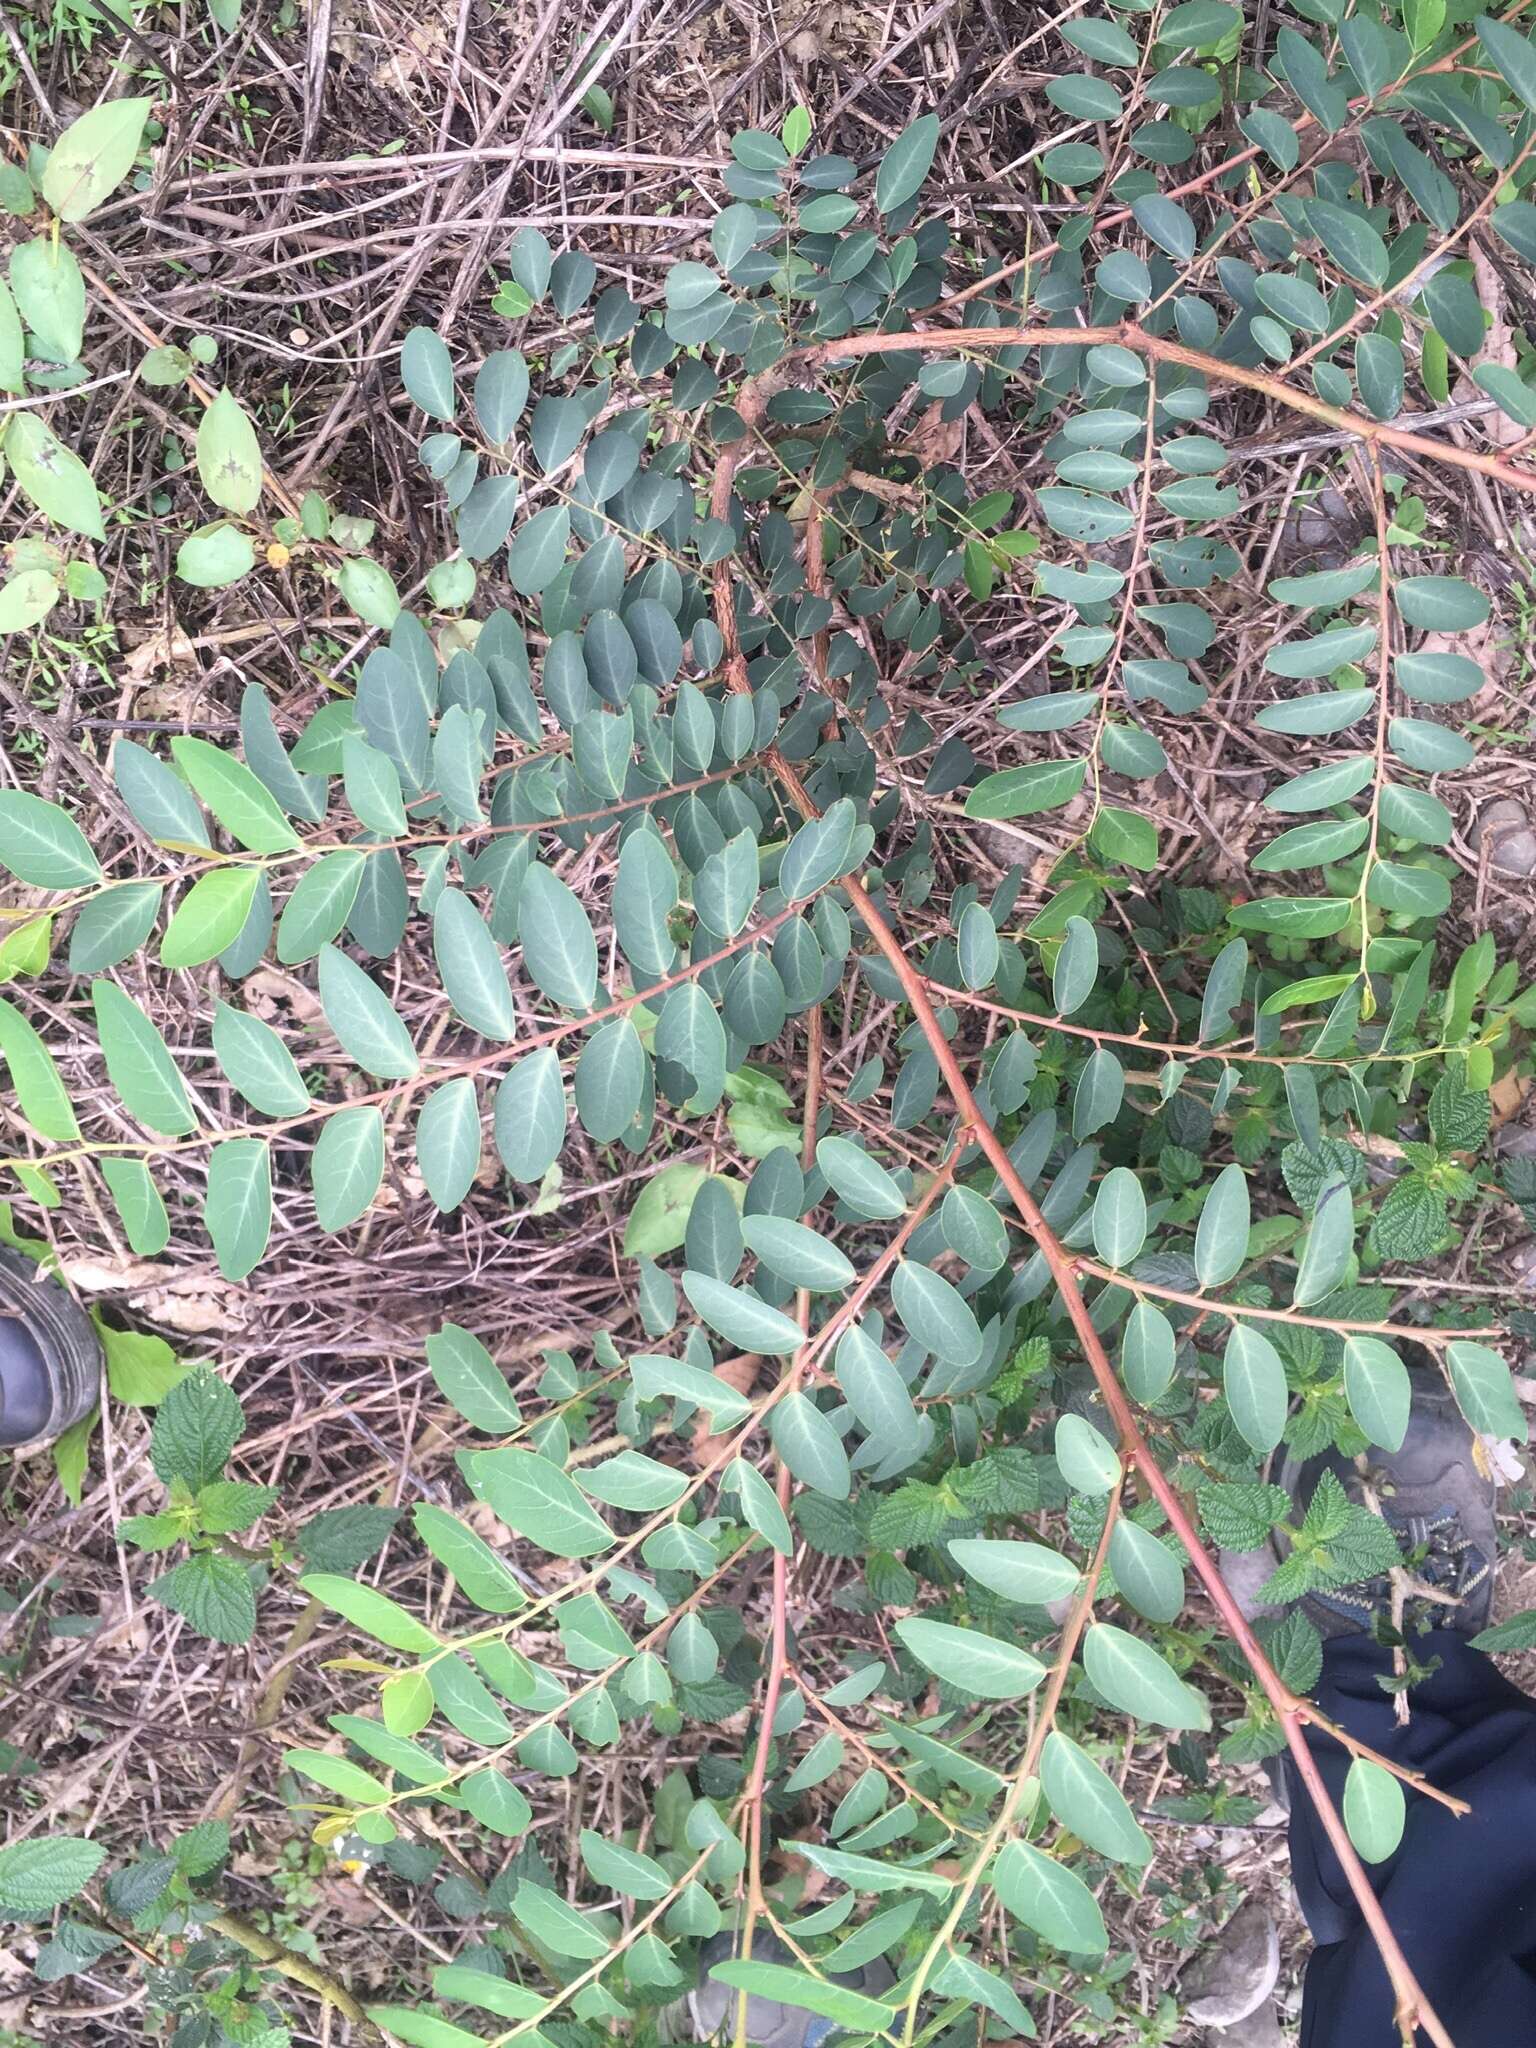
[799,1255]
[93,156]
[422,2029]
[210,916]
[1025,1572]
[537,1500]
[1375,1811]
[936,1314]
[39,1874]
[139,1064]
[1025,791]
[483,1575]
[530,1116]
[1133,1677]
[426,371]
[1148,1353]
[903,168]
[610,1080]
[50,295]
[229,462]
[40,1092]
[1221,1236]
[1349,239]
[448,1144]
[197,1425]
[1088,1461]
[42,845]
[1086,1800]
[1119,1217]
[320,905]
[559,949]
[1484,1392]
[469,1379]
[1147,1573]
[469,961]
[238,1208]
[759,1505]
[244,806]
[215,556]
[1512,55]
[139,1207]
[976,1663]
[1050,1899]
[631,1480]
[538,553]
[1077,967]
[859,1180]
[625,1871]
[111,926]
[214,1593]
[810,1446]
[742,1317]
[347,1165]
[819,852]
[256,1061]
[379,1617]
[370,591]
[363,1019]
[372,783]
[1253,1379]
[796,1988]
[1378,1389]
[347,1780]
[1330,1244]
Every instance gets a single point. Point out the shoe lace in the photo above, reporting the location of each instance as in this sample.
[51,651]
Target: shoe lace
[1446,1563]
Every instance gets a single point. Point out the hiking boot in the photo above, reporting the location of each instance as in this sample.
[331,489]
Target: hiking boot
[708,2012]
[1437,1504]
[50,1356]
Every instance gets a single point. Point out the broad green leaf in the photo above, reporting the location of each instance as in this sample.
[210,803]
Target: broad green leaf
[317,911]
[559,949]
[244,806]
[1221,1236]
[43,1871]
[497,1803]
[1148,1353]
[1077,967]
[742,1317]
[1133,1677]
[797,1254]
[628,1872]
[973,1228]
[1086,1799]
[52,476]
[461,1985]
[1378,1389]
[1025,792]
[610,1080]
[1375,1811]
[657,1377]
[379,1617]
[34,1078]
[875,1390]
[537,1500]
[1026,1572]
[976,1663]
[139,1064]
[210,916]
[469,961]
[372,783]
[111,926]
[1330,1244]
[810,1446]
[1050,1899]
[470,1380]
[904,166]
[426,371]
[229,458]
[936,1314]
[484,1576]
[759,1505]
[1253,1379]
[420,2029]
[258,1063]
[363,1019]
[139,1206]
[1119,1217]
[41,844]
[347,1165]
[797,1988]
[448,1143]
[93,156]
[860,1180]
[1146,1571]
[1481,1380]
[49,288]
[530,1116]
[1088,1460]
[238,1208]
[631,1480]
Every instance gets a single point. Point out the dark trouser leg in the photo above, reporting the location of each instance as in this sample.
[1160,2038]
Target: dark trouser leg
[1460,1894]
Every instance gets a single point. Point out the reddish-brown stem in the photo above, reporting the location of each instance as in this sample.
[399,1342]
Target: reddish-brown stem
[1159,348]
